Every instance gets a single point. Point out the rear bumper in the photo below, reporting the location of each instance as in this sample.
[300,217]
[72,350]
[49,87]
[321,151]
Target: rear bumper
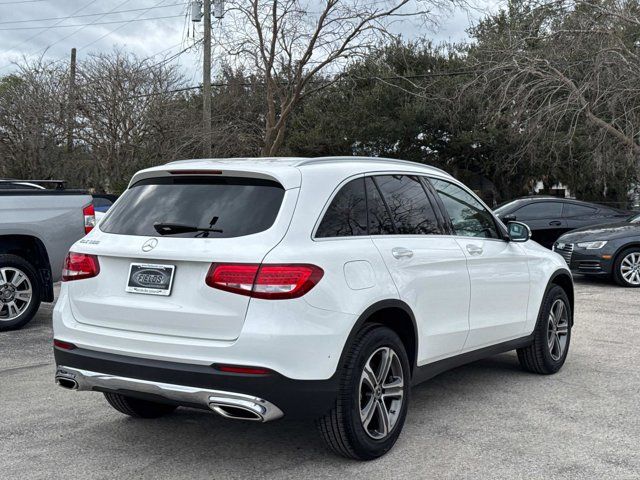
[293,338]
[201,386]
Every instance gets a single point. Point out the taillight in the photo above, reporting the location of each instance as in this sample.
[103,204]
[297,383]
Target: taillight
[285,281]
[79,265]
[272,282]
[89,214]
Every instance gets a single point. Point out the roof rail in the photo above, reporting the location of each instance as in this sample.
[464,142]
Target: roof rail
[316,160]
[301,161]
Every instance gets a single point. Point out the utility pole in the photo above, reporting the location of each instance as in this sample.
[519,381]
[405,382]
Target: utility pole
[71,101]
[206,82]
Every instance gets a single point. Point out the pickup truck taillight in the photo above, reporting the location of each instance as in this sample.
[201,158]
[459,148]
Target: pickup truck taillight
[271,282]
[89,218]
[79,265]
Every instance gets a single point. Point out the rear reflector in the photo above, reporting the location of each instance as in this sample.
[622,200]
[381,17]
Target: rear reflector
[63,345]
[89,214]
[79,265]
[242,369]
[271,282]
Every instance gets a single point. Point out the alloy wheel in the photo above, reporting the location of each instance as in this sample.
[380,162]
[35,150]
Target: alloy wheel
[630,268]
[15,293]
[381,393]
[558,329]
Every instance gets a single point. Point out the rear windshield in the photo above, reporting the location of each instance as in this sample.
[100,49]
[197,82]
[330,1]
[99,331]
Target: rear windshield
[237,206]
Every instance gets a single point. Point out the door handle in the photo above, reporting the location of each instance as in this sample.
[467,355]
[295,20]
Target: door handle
[474,249]
[401,252]
[555,223]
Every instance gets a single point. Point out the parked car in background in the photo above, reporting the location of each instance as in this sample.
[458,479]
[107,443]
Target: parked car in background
[103,201]
[37,227]
[611,250]
[321,288]
[550,217]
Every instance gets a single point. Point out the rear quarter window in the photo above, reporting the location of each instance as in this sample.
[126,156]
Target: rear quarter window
[347,214]
[237,206]
[575,210]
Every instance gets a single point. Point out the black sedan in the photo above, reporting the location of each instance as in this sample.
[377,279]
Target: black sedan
[611,250]
[550,217]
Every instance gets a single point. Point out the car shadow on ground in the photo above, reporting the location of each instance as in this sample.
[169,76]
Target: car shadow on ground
[593,280]
[192,434]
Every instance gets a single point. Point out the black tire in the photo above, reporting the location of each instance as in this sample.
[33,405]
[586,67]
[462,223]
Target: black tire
[538,357]
[341,428]
[137,408]
[19,263]
[617,264]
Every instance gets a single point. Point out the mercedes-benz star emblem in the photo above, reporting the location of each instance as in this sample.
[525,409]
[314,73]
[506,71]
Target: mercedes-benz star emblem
[149,244]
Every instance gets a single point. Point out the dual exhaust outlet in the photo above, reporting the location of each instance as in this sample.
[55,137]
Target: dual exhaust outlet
[237,406]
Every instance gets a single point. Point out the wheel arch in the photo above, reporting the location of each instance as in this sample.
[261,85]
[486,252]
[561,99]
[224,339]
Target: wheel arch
[33,251]
[622,248]
[394,314]
[563,279]
[615,273]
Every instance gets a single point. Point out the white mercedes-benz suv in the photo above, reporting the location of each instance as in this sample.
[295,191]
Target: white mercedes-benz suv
[321,288]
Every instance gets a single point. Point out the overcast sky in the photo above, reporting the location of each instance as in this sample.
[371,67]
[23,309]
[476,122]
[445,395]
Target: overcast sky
[146,27]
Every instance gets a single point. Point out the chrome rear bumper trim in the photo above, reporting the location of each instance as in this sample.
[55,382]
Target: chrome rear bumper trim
[215,400]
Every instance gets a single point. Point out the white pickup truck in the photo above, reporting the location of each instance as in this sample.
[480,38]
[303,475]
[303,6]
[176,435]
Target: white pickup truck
[39,221]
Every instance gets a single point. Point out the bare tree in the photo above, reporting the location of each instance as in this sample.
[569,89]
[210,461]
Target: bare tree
[291,42]
[32,123]
[130,116]
[562,66]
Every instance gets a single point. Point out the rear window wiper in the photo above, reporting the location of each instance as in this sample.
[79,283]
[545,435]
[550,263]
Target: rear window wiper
[175,228]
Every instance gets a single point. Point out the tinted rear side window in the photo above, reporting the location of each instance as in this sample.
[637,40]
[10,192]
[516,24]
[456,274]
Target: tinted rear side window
[347,214]
[539,210]
[575,210]
[408,204]
[243,206]
[379,219]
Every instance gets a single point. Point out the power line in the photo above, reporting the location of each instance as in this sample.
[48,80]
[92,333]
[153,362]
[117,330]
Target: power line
[108,13]
[48,28]
[170,58]
[94,23]
[118,28]
[85,26]
[84,15]
[22,1]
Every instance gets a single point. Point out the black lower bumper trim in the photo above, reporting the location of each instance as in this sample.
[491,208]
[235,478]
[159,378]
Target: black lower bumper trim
[296,398]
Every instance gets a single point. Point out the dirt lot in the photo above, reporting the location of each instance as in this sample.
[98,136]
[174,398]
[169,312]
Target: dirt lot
[485,420]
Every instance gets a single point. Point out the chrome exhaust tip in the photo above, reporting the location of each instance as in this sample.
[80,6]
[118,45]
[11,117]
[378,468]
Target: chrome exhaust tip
[236,413]
[67,383]
[238,406]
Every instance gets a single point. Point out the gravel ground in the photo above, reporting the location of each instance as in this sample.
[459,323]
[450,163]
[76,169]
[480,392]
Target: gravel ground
[488,419]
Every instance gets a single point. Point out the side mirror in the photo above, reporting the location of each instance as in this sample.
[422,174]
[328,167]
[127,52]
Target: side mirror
[519,232]
[509,218]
